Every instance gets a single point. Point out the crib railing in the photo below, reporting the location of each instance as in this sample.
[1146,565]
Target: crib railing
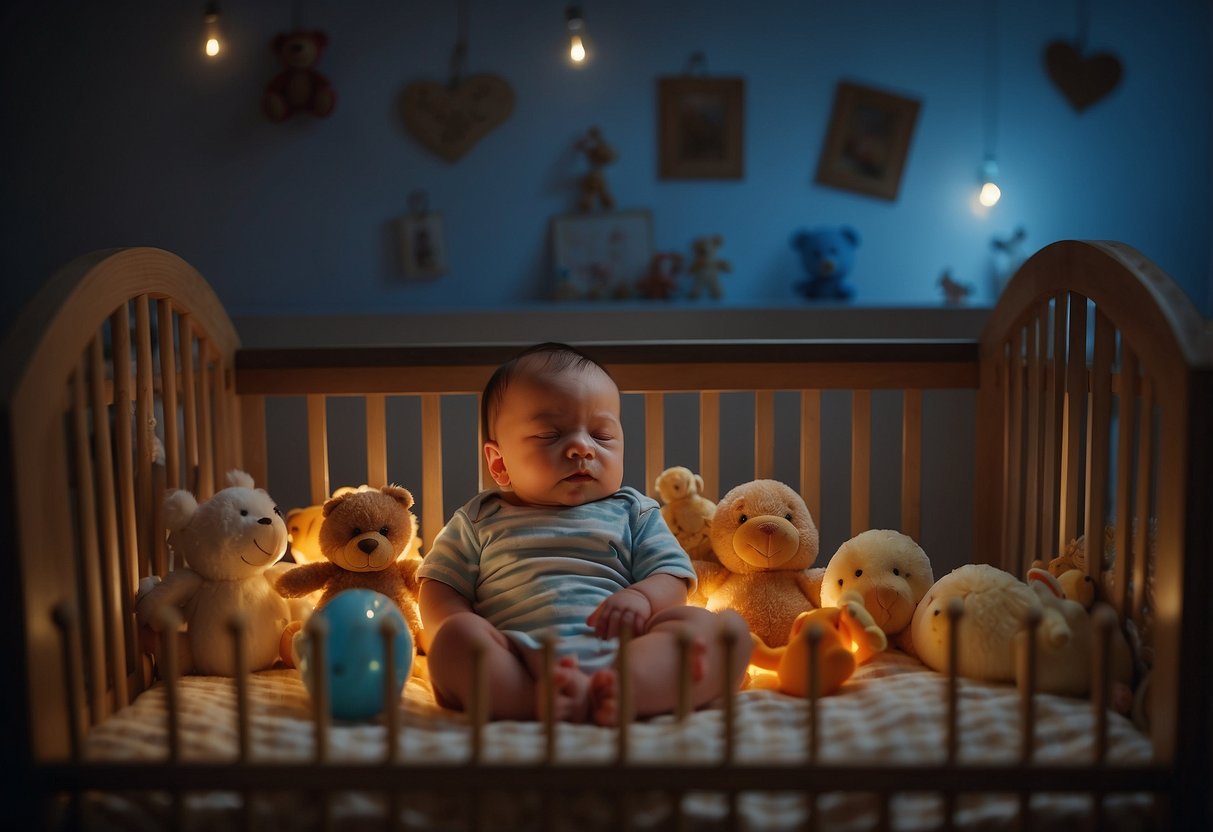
[1094,412]
[396,775]
[654,372]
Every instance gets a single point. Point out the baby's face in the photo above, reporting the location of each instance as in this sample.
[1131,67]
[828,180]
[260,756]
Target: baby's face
[559,441]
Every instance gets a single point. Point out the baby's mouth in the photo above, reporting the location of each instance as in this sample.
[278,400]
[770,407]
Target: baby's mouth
[580,476]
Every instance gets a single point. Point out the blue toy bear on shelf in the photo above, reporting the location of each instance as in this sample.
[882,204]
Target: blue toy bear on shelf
[827,253]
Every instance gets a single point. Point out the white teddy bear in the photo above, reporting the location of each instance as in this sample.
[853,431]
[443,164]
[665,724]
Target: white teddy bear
[229,543]
[686,511]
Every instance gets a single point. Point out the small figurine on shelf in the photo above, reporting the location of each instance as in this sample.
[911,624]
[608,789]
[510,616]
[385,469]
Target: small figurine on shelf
[954,292]
[298,87]
[706,266]
[661,281]
[1006,258]
[594,188]
[827,255]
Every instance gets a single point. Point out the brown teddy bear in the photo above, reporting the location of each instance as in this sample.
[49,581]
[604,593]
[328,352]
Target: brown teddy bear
[594,188]
[686,511]
[363,534]
[298,88]
[706,266]
[766,540]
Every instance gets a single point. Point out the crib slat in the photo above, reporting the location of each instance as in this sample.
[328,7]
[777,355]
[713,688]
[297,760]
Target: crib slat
[318,448]
[1075,417]
[1015,473]
[1055,394]
[810,452]
[376,440]
[224,450]
[654,440]
[911,463]
[120,329]
[484,478]
[168,393]
[254,455]
[1099,433]
[206,425]
[861,460]
[189,404]
[150,549]
[431,466]
[1145,482]
[764,434]
[1034,450]
[709,443]
[94,622]
[1126,431]
[65,618]
[119,596]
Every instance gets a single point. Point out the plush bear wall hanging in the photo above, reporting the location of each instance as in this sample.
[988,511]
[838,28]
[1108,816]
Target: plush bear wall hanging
[298,88]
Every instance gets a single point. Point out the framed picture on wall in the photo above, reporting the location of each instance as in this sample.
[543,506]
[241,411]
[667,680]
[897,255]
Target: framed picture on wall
[600,256]
[867,141]
[422,250]
[700,127]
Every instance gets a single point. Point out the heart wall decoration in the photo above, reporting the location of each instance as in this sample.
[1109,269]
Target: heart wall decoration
[1083,80]
[450,119]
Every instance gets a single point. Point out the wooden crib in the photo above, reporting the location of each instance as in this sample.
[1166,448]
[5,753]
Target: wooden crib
[1093,389]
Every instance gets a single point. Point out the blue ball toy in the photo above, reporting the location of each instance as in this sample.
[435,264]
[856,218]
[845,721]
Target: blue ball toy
[355,665]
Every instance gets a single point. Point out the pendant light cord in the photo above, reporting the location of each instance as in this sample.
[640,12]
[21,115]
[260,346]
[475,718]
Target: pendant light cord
[991,94]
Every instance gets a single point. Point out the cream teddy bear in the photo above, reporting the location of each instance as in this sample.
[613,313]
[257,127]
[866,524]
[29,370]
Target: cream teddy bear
[686,511]
[229,544]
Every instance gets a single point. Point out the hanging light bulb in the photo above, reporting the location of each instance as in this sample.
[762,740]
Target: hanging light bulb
[213,42]
[990,192]
[576,27]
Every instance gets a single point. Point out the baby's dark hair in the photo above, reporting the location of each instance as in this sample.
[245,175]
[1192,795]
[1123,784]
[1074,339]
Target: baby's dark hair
[555,358]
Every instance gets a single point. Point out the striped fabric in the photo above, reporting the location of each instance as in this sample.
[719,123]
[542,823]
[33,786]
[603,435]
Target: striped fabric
[534,570]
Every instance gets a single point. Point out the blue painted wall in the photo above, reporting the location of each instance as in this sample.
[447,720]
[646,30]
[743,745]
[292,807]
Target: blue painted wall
[120,133]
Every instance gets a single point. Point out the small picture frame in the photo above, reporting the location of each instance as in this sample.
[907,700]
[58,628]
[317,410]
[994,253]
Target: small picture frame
[600,256]
[422,249]
[700,127]
[867,141]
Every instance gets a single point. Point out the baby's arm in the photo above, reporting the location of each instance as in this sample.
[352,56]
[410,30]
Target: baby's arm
[637,604]
[437,602]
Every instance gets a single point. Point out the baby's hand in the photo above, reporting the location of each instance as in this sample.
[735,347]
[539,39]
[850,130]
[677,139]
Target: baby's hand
[627,606]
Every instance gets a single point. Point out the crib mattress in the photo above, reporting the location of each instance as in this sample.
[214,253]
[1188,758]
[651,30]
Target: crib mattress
[891,712]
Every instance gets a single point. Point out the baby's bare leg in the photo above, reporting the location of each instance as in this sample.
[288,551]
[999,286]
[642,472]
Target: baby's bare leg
[452,655]
[653,663]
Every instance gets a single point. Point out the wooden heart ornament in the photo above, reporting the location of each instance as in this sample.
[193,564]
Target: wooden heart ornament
[1082,80]
[450,118]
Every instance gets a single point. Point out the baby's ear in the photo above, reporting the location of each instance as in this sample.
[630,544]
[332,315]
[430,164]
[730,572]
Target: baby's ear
[496,461]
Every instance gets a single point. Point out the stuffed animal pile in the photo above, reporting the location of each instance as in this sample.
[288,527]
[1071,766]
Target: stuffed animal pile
[228,544]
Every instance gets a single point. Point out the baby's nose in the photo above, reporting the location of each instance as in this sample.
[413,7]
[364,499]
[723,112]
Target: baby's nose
[580,446]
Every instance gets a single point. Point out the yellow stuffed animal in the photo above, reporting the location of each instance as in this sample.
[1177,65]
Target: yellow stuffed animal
[889,571]
[765,541]
[686,511]
[848,635]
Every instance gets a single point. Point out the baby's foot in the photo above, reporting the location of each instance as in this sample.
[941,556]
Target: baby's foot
[572,692]
[604,697]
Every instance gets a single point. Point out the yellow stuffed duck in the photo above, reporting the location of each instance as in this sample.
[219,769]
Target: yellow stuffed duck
[891,574]
[849,635]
